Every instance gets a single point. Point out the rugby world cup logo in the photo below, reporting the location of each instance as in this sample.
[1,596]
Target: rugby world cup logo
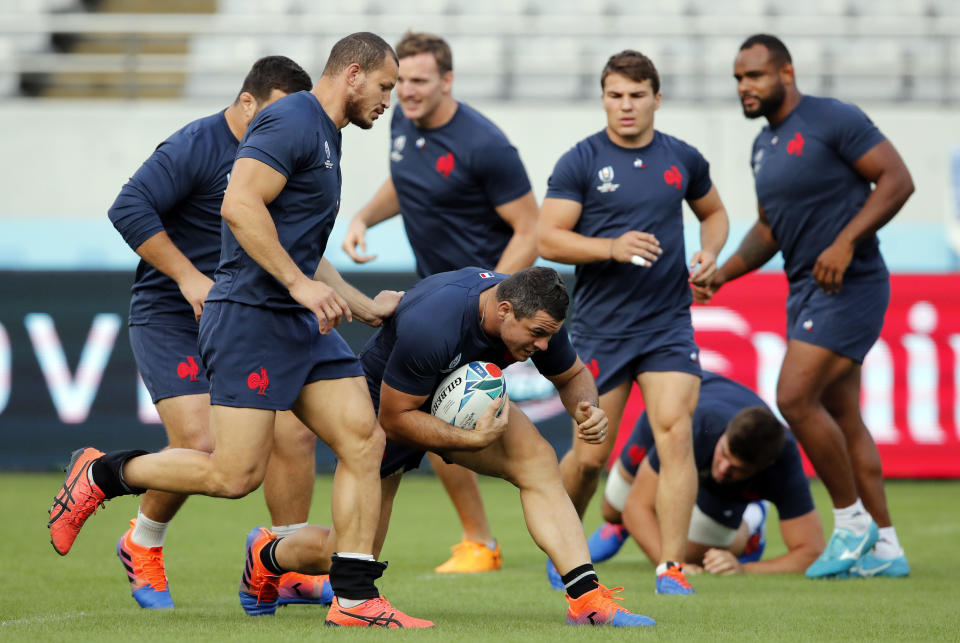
[606,179]
[326,150]
[478,380]
[397,153]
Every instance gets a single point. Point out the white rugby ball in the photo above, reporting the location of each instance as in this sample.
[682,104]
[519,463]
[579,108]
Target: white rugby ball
[465,394]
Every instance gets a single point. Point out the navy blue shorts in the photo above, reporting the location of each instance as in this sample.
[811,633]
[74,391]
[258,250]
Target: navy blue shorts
[259,358]
[847,323]
[169,360]
[614,361]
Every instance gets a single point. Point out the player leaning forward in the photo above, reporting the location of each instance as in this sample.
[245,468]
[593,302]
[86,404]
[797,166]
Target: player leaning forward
[454,318]
[613,208]
[260,343]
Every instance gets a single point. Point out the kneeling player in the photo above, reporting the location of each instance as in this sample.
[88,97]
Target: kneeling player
[469,315]
[743,455]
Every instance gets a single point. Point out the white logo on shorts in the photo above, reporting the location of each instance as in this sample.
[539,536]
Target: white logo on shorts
[808,325]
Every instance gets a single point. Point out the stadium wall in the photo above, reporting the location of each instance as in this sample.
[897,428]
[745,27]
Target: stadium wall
[68,378]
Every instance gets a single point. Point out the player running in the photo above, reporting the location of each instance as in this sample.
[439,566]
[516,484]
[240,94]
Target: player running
[169,213]
[267,340]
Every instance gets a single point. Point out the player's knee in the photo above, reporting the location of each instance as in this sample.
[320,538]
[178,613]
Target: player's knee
[237,484]
[793,405]
[591,464]
[537,463]
[366,444]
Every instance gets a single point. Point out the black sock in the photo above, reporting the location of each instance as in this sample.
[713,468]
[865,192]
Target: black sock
[580,580]
[353,578]
[107,472]
[268,556]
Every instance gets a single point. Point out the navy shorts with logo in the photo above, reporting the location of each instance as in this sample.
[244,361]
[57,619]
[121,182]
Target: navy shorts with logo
[613,361]
[169,360]
[848,322]
[260,358]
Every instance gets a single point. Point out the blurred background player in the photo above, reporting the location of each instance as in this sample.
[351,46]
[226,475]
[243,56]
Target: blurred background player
[614,209]
[813,166]
[743,456]
[465,200]
[267,339]
[169,213]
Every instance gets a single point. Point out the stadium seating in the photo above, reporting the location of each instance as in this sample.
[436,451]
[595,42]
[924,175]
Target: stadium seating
[863,50]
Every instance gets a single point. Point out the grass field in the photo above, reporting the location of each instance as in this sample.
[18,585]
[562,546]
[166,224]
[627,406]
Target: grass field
[84,596]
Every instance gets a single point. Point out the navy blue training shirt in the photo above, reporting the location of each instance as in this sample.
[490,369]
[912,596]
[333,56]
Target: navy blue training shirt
[179,189]
[783,483]
[449,180]
[436,328]
[808,187]
[295,137]
[623,189]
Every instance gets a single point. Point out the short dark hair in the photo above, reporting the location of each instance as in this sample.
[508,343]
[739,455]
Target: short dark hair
[534,289]
[414,43]
[755,436]
[364,48]
[274,72]
[779,54]
[634,66]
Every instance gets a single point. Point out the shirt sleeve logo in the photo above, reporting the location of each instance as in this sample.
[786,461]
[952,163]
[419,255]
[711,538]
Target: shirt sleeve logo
[795,145]
[606,180]
[445,164]
[397,153]
[673,177]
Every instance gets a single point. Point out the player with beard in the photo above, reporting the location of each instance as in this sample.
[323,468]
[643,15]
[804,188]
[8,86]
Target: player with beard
[813,166]
[169,213]
[465,200]
[614,209]
[268,344]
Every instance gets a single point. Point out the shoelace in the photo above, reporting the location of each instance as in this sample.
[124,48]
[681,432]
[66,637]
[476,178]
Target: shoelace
[81,513]
[609,529]
[152,569]
[676,573]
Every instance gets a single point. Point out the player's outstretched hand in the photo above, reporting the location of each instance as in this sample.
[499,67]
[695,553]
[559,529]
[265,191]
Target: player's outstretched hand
[323,301]
[721,561]
[592,423]
[357,236]
[704,266]
[195,290]
[831,264]
[490,426]
[638,248]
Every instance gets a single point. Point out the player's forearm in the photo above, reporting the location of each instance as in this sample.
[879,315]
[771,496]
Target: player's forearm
[566,246]
[421,430]
[579,388]
[756,249]
[794,561]
[893,189]
[161,253]
[714,230]
[361,306]
[520,253]
[381,207]
[251,224]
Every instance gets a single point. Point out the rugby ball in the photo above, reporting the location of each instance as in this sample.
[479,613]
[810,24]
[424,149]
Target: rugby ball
[465,394]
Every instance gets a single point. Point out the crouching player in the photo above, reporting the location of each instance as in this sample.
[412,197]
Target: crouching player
[743,456]
[454,318]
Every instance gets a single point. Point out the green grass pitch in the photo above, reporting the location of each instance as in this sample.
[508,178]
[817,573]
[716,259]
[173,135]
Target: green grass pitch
[84,596]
